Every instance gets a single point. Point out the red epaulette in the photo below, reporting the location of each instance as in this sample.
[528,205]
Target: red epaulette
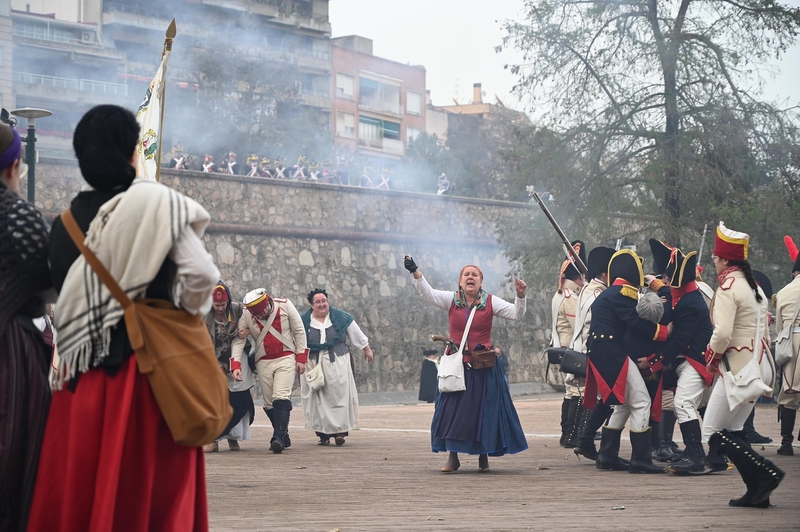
[727,283]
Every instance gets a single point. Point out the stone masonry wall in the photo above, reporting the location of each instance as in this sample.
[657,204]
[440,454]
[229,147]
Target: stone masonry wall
[291,237]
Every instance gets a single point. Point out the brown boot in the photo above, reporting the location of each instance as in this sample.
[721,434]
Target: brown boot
[212,447]
[233,445]
[452,463]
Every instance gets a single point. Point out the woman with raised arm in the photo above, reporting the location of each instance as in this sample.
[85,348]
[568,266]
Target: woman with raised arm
[482,419]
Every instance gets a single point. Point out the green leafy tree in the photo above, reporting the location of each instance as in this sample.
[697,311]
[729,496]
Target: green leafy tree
[652,109]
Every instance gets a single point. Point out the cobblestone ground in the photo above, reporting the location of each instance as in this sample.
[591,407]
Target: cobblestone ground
[386,478]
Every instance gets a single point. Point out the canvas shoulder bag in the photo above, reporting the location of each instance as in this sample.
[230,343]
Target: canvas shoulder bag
[451,367]
[315,378]
[784,344]
[175,351]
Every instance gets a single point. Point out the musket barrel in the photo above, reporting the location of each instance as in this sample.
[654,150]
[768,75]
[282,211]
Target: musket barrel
[574,257]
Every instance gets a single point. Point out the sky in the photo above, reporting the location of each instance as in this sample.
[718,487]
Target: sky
[455,41]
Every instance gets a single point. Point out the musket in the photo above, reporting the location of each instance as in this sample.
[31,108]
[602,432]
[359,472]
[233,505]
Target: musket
[572,255]
[448,343]
[702,245]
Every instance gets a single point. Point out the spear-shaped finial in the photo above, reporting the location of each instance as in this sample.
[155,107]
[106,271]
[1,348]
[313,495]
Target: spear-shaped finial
[172,30]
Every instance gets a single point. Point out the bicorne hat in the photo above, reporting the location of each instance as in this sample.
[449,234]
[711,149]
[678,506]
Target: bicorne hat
[677,268]
[599,258]
[625,264]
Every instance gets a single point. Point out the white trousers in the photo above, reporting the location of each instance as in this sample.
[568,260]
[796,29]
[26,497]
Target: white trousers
[719,415]
[276,377]
[637,403]
[688,393]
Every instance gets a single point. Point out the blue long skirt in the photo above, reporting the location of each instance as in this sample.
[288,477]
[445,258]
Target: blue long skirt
[480,420]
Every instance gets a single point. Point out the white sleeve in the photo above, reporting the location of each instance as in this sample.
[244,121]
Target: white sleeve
[504,309]
[197,269]
[357,336]
[438,298]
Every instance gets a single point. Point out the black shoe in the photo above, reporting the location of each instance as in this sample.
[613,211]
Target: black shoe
[786,449]
[787,418]
[692,460]
[664,453]
[587,452]
[280,424]
[566,429]
[746,502]
[754,438]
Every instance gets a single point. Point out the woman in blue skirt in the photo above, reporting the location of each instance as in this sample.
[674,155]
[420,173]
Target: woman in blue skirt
[481,419]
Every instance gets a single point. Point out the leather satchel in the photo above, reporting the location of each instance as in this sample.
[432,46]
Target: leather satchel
[555,354]
[175,351]
[574,362]
[482,359]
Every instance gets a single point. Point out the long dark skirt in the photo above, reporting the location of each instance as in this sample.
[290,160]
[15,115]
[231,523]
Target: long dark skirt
[24,401]
[480,420]
[242,404]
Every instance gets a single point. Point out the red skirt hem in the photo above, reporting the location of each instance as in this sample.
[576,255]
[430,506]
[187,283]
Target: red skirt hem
[109,462]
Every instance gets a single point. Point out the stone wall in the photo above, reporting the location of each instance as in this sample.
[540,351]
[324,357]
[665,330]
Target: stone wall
[291,237]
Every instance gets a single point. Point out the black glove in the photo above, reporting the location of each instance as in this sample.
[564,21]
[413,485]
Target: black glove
[409,264]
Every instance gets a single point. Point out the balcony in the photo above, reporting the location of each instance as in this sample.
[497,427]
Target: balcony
[380,106]
[68,84]
[316,99]
[383,144]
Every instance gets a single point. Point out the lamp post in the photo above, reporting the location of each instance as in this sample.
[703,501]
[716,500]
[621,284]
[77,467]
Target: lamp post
[30,145]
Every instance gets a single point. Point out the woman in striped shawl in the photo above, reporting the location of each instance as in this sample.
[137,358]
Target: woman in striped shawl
[108,459]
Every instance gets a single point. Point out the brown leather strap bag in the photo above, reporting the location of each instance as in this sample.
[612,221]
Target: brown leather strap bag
[173,348]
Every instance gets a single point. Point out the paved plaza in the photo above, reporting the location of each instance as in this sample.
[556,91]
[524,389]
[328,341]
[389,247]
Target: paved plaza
[386,478]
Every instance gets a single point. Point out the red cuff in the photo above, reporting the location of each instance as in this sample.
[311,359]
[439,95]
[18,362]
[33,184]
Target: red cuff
[656,362]
[303,356]
[712,357]
[661,333]
[235,364]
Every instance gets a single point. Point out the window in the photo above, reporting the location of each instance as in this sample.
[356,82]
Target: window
[414,103]
[379,96]
[344,86]
[412,133]
[345,125]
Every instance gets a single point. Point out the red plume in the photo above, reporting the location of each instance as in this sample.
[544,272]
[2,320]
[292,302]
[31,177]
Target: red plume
[791,247]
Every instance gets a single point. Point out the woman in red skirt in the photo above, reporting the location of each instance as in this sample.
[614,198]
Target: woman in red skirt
[108,460]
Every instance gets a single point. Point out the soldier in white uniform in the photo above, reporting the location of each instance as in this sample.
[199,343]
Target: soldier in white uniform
[786,302]
[564,309]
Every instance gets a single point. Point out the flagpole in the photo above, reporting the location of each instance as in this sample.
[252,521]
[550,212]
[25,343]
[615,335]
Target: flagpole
[171,32]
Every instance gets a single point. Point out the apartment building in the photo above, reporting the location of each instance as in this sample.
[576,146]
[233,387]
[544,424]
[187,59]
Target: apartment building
[378,104]
[69,55]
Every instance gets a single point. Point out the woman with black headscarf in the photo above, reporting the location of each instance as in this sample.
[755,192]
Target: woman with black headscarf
[108,459]
[24,355]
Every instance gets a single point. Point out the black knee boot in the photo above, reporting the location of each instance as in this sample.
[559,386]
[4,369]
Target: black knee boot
[578,424]
[641,460]
[760,475]
[693,458]
[280,424]
[608,457]
[655,438]
[667,449]
[596,419]
[787,417]
[565,404]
